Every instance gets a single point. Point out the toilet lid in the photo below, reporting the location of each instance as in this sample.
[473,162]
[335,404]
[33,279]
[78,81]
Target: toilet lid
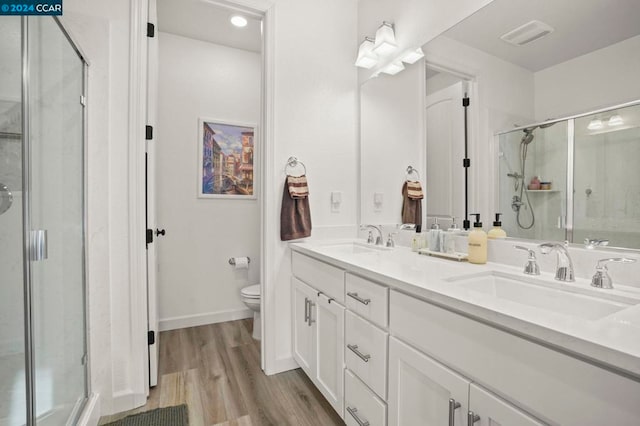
[251,291]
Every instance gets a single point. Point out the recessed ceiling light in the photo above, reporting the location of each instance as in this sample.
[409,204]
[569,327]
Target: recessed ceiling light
[239,21]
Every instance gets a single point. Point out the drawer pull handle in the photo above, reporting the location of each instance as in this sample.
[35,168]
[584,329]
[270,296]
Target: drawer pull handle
[306,310]
[453,406]
[472,418]
[354,349]
[359,299]
[354,414]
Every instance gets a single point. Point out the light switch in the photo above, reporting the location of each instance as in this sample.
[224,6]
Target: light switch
[336,200]
[378,200]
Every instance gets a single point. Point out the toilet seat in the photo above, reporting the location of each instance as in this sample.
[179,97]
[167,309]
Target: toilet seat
[251,292]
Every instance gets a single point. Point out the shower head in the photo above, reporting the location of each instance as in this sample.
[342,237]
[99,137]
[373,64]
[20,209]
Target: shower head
[528,137]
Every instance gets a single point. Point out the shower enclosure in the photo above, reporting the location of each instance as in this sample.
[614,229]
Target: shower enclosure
[573,179]
[43,361]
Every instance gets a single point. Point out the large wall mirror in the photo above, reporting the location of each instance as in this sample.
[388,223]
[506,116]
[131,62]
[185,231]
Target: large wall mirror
[554,121]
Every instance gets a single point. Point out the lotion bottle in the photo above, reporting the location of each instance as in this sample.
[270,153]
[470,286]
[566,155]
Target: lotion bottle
[497,231]
[477,242]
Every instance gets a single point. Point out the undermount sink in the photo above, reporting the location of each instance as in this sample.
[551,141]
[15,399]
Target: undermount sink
[541,294]
[356,247]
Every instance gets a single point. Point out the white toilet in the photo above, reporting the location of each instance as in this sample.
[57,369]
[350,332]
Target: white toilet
[251,298]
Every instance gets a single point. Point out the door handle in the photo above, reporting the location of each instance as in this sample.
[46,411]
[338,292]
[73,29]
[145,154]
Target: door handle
[39,245]
[472,418]
[453,406]
[306,310]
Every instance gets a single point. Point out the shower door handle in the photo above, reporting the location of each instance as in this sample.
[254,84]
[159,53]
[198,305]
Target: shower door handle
[38,244]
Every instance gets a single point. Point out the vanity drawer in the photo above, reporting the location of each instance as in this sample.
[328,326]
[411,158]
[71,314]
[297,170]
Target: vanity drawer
[362,405]
[366,352]
[319,275]
[368,299]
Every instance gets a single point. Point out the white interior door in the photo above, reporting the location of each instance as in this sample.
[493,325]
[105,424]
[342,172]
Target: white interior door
[420,389]
[152,262]
[445,152]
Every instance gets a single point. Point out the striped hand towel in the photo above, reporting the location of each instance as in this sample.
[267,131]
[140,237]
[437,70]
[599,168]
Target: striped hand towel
[298,187]
[414,190]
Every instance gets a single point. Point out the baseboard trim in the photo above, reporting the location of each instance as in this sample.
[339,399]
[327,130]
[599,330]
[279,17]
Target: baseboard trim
[91,413]
[281,365]
[175,323]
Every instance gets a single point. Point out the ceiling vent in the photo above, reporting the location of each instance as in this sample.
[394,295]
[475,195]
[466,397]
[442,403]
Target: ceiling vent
[531,31]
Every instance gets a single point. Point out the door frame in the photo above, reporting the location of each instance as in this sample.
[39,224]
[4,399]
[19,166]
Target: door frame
[136,188]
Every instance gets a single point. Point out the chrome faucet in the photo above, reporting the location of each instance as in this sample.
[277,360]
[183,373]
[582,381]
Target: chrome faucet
[378,238]
[531,268]
[601,279]
[564,268]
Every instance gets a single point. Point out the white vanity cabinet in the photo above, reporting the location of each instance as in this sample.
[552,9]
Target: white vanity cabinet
[318,328]
[423,391]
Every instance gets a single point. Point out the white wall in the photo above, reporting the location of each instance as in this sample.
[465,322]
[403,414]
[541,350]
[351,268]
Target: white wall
[196,284]
[392,137]
[102,31]
[602,78]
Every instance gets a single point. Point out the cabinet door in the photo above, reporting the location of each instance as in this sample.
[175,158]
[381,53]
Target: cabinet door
[494,411]
[329,317]
[303,329]
[420,389]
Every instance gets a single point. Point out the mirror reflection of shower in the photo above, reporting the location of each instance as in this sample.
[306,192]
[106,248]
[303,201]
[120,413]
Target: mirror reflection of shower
[521,198]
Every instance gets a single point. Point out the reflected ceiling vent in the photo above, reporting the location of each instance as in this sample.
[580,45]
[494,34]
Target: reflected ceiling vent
[524,34]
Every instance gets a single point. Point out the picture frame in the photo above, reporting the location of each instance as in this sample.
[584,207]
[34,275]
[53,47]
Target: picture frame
[227,159]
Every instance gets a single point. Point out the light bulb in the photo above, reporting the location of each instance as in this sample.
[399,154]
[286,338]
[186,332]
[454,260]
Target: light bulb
[385,40]
[615,120]
[366,58]
[413,56]
[239,21]
[595,124]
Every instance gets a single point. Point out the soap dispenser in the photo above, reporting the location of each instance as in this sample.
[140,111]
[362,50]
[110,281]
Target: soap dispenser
[477,242]
[434,236]
[497,231]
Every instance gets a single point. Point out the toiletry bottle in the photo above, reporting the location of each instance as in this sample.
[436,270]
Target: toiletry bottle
[450,237]
[497,231]
[434,236]
[416,242]
[477,242]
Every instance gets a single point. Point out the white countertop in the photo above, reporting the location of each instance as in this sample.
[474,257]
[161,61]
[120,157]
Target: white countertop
[612,341]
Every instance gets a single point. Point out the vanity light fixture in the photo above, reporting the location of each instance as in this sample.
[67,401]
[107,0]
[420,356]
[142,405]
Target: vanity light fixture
[393,68]
[615,120]
[366,58]
[595,124]
[413,56]
[239,21]
[385,39]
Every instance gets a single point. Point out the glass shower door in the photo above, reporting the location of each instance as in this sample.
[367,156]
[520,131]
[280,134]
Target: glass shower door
[56,221]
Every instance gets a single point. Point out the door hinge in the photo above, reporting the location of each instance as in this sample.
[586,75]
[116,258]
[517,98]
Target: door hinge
[151,30]
[148,132]
[151,337]
[83,100]
[149,236]
[466,162]
[465,101]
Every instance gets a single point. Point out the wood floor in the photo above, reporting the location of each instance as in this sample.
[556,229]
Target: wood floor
[215,370]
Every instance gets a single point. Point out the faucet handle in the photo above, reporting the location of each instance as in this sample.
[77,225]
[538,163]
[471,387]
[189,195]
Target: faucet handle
[602,279]
[390,242]
[591,243]
[532,267]
[370,238]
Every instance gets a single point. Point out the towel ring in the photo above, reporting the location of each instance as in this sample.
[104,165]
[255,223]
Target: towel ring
[294,162]
[410,171]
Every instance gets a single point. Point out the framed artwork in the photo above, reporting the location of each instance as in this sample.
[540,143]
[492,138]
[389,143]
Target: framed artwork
[226,153]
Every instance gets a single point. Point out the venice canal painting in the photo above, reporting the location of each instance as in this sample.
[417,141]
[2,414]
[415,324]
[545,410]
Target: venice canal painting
[226,158]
